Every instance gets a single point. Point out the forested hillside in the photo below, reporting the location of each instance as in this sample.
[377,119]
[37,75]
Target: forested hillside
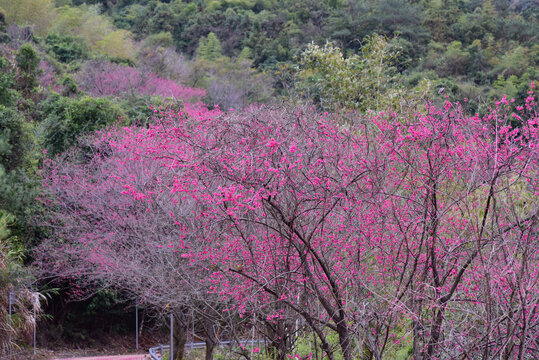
[191,131]
[474,49]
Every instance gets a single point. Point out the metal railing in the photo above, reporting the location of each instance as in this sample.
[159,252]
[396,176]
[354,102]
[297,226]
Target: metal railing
[156,352]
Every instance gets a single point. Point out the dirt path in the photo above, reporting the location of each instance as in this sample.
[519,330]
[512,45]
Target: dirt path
[115,357]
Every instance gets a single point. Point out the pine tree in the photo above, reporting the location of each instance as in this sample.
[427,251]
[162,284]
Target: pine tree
[209,48]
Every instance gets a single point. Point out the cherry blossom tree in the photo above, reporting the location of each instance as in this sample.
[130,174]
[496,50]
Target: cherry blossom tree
[116,224]
[396,234]
[364,230]
[103,78]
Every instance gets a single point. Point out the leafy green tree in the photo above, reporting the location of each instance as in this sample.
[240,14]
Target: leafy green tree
[67,48]
[477,64]
[162,39]
[2,20]
[18,161]
[268,52]
[97,30]
[130,17]
[163,18]
[232,25]
[40,14]
[27,62]
[65,119]
[117,44]
[7,79]
[454,61]
[358,19]
[27,59]
[70,86]
[439,16]
[363,82]
[399,17]
[475,25]
[514,62]
[209,48]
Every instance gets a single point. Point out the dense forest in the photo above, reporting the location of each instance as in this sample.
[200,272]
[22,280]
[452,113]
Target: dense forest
[101,100]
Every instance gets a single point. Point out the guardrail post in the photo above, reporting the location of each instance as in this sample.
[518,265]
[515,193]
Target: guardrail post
[36,304]
[171,336]
[11,301]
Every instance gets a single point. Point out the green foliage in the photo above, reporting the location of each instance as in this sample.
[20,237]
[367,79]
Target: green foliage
[67,48]
[97,30]
[363,82]
[65,119]
[138,109]
[27,62]
[513,86]
[392,18]
[7,79]
[454,61]
[17,161]
[163,18]
[2,20]
[5,220]
[246,54]
[209,48]
[103,299]
[27,59]
[117,44]
[40,14]
[465,42]
[130,16]
[162,39]
[11,252]
[70,86]
[12,138]
[514,62]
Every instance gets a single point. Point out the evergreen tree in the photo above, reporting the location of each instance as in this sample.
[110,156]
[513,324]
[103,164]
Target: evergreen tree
[209,48]
[27,62]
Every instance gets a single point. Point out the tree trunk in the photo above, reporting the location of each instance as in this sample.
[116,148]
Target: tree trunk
[210,347]
[279,339]
[344,340]
[210,338]
[180,338]
[435,333]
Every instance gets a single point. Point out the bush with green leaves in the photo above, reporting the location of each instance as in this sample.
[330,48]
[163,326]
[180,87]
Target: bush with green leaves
[65,119]
[67,48]
[17,161]
[365,81]
[27,61]
[7,81]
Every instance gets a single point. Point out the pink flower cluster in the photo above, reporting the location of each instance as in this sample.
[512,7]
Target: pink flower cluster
[424,225]
[107,79]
